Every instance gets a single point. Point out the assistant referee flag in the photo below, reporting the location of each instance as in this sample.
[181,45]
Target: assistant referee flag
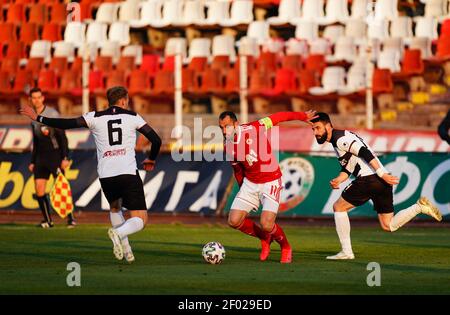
[61,196]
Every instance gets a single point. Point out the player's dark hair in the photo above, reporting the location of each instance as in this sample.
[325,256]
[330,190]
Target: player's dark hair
[229,114]
[34,90]
[323,117]
[116,93]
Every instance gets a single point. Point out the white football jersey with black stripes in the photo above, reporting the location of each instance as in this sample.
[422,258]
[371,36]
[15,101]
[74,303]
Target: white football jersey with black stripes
[114,131]
[347,144]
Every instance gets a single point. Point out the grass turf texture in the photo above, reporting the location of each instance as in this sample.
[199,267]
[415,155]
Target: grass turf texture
[169,261]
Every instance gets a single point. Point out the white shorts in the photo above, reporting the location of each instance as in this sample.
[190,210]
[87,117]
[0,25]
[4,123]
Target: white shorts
[251,195]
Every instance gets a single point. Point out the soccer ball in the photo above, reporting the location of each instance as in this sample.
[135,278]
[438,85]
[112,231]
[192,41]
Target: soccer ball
[213,253]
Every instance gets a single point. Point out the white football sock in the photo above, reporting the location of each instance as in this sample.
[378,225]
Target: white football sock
[130,226]
[403,216]
[117,220]
[343,230]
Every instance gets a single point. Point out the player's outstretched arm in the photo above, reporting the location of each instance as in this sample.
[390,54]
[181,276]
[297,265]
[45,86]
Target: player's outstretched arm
[61,123]
[153,137]
[342,177]
[279,117]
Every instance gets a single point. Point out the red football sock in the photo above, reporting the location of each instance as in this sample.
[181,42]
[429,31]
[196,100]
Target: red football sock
[279,236]
[251,228]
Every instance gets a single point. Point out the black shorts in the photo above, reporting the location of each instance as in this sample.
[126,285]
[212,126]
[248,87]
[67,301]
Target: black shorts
[44,166]
[128,188]
[370,187]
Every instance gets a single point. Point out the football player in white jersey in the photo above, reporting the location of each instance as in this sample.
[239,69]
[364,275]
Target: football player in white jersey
[372,182]
[114,131]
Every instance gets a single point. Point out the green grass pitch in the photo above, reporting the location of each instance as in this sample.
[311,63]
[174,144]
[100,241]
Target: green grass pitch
[168,261]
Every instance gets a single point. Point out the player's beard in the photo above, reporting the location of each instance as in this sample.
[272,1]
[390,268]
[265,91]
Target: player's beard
[322,138]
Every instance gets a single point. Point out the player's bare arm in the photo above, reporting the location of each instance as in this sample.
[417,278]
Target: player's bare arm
[388,178]
[335,182]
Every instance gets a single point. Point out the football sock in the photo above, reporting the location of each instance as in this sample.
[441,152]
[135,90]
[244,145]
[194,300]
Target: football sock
[279,236]
[343,230]
[251,228]
[130,226]
[70,218]
[404,216]
[44,205]
[117,220]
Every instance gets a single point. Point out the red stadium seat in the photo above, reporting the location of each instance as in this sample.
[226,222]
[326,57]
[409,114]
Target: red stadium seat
[5,83]
[139,82]
[58,13]
[71,83]
[443,48]
[412,62]
[38,14]
[189,80]
[232,84]
[169,63]
[47,80]
[221,62]
[15,49]
[52,32]
[260,81]
[150,63]
[10,65]
[77,64]
[29,33]
[198,64]
[292,62]
[284,82]
[126,64]
[58,65]
[23,81]
[115,78]
[445,28]
[382,81]
[164,82]
[96,81]
[7,32]
[104,64]
[16,13]
[307,80]
[316,63]
[267,61]
[212,81]
[35,64]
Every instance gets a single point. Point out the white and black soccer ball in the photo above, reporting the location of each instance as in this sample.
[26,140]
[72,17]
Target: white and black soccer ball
[213,253]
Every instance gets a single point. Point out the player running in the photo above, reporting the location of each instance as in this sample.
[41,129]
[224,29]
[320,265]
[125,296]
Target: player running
[259,177]
[372,182]
[114,131]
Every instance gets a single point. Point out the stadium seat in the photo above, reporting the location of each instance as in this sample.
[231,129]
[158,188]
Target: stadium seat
[128,11]
[77,64]
[104,64]
[284,82]
[232,81]
[248,46]
[71,83]
[412,62]
[375,49]
[58,65]
[273,45]
[315,63]
[336,11]
[169,63]
[222,63]
[200,47]
[116,78]
[217,12]
[241,12]
[320,46]
[16,13]
[297,47]
[126,64]
[28,33]
[198,64]
[52,32]
[171,13]
[307,80]
[443,48]
[426,27]
[436,8]
[97,32]
[267,62]
[47,80]
[359,9]
[260,81]
[38,14]
[345,49]
[193,13]
[10,65]
[292,62]
[7,32]
[333,32]
[445,28]
[382,81]
[139,82]
[378,28]
[312,10]
[423,44]
[134,50]
[75,33]
[96,81]
[389,59]
[111,49]
[119,32]
[401,27]
[307,30]
[386,9]
[35,65]
[223,45]
[107,13]
[356,29]
[164,82]
[23,81]
[176,45]
[41,48]
[259,30]
[58,13]
[287,11]
[333,79]
[15,49]
[150,11]
[150,64]
[356,82]
[211,81]
[5,83]
[189,81]
[64,49]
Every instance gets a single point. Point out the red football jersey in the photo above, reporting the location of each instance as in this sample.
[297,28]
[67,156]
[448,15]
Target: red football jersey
[251,153]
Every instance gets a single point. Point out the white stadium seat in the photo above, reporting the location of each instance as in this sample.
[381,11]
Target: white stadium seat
[356,81]
[307,29]
[287,11]
[345,49]
[193,14]
[297,47]
[259,30]
[171,13]
[359,9]
[217,12]
[128,10]
[97,32]
[200,47]
[241,13]
[389,59]
[150,11]
[336,11]
[333,79]
[134,50]
[333,33]
[320,46]
[120,32]
[386,9]
[111,49]
[423,44]
[378,28]
[426,27]
[223,45]
[176,46]
[75,33]
[402,27]
[107,13]
[64,49]
[41,49]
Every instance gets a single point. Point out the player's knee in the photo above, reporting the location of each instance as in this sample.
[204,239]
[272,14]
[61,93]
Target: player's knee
[234,222]
[267,225]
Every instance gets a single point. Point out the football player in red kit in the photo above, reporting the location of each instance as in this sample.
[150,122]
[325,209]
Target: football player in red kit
[258,174]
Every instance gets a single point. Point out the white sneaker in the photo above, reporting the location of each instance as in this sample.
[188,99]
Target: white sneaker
[117,249]
[341,255]
[426,207]
[129,257]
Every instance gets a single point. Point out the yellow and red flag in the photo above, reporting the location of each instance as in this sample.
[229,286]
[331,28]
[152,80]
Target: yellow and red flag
[61,196]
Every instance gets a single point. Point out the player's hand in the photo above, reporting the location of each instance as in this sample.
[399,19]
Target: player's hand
[149,165]
[334,183]
[310,114]
[28,111]
[65,164]
[31,167]
[390,179]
